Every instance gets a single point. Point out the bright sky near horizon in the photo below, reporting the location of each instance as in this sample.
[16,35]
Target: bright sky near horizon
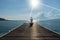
[20,9]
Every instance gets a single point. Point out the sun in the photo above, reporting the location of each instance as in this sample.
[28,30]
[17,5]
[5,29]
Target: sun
[34,3]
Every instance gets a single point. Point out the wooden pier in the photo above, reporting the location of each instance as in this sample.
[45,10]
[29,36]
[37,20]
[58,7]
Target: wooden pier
[36,32]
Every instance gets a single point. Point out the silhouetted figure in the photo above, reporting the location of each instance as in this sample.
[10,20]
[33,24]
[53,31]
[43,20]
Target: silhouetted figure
[31,22]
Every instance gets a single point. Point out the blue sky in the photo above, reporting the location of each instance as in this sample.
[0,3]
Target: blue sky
[20,10]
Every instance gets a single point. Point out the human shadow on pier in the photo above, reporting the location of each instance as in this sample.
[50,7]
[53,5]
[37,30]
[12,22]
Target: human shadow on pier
[31,24]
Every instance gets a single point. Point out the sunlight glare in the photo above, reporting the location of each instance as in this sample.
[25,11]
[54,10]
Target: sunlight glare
[34,3]
[34,20]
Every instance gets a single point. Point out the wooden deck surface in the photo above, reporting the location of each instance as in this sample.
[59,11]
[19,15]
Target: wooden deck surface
[36,32]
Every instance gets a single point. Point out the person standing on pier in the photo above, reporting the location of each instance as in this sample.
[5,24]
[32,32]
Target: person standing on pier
[31,22]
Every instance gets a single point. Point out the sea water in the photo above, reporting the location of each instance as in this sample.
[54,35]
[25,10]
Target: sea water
[5,26]
[53,25]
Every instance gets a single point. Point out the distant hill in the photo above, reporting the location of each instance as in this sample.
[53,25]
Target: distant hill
[2,19]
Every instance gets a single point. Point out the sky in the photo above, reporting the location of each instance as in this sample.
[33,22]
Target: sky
[21,10]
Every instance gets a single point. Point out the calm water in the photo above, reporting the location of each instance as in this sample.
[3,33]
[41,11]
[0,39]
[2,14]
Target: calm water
[5,26]
[53,25]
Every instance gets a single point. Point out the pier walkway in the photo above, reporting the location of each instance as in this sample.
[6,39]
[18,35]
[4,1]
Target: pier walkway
[36,32]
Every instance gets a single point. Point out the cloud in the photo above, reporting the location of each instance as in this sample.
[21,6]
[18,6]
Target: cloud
[49,15]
